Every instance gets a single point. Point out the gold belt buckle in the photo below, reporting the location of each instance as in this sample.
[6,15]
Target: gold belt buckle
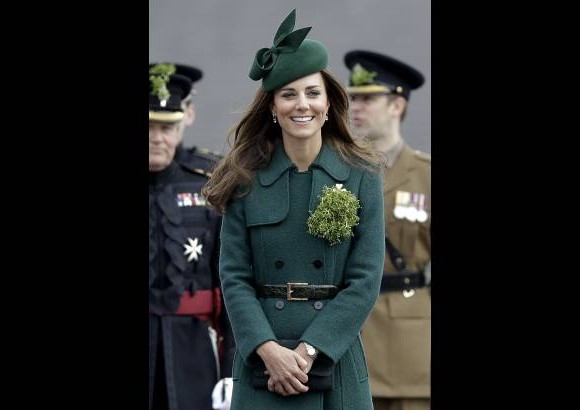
[289,290]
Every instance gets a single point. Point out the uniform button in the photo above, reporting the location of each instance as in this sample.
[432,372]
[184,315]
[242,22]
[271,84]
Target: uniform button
[318,305]
[280,305]
[317,263]
[407,281]
[278,264]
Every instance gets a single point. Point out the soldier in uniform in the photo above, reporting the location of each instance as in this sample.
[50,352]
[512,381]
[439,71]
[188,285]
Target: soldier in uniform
[191,155]
[396,336]
[297,294]
[190,341]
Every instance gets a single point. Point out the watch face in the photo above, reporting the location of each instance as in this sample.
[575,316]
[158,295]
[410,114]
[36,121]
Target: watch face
[310,350]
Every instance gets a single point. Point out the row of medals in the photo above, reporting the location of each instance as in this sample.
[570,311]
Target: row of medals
[190,199]
[410,206]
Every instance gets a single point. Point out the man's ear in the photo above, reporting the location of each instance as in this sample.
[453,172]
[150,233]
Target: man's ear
[399,105]
[189,114]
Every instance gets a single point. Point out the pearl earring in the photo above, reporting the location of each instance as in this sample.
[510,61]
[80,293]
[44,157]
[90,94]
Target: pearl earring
[274,118]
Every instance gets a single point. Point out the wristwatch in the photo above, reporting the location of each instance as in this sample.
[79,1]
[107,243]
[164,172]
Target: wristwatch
[310,350]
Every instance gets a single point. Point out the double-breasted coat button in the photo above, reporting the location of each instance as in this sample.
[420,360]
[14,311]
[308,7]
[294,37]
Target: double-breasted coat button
[318,305]
[279,264]
[280,305]
[317,263]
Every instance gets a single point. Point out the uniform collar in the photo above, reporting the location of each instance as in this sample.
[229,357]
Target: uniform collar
[327,159]
[161,177]
[179,153]
[391,156]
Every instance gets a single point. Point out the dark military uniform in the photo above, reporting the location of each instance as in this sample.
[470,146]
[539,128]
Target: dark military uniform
[190,340]
[185,301]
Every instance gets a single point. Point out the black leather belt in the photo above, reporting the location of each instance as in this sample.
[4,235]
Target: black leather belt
[397,281]
[297,291]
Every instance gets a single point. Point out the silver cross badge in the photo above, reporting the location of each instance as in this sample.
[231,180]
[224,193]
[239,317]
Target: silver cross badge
[193,250]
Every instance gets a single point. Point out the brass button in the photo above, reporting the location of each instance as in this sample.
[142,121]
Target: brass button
[318,305]
[280,305]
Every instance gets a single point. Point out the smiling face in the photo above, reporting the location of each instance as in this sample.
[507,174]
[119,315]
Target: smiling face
[301,107]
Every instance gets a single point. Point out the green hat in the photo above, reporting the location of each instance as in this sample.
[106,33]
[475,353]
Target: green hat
[291,57]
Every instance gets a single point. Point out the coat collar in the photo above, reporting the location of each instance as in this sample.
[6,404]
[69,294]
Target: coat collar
[327,159]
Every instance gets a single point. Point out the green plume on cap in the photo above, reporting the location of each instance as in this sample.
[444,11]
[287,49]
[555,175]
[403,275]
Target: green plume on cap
[360,76]
[160,74]
[274,66]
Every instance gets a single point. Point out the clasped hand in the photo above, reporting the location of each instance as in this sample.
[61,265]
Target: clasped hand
[287,369]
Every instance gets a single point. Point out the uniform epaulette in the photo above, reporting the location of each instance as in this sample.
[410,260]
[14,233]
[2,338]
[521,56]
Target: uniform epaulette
[211,155]
[422,155]
[200,160]
[195,170]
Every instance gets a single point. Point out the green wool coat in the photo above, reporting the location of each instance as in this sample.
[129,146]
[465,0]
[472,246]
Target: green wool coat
[265,240]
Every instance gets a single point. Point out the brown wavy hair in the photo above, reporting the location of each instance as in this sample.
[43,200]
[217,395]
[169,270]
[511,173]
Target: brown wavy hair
[256,136]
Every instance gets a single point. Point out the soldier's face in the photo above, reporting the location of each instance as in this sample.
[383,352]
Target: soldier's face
[163,139]
[369,114]
[301,107]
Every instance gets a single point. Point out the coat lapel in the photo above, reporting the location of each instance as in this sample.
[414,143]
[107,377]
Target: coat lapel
[328,170]
[268,202]
[271,194]
[277,166]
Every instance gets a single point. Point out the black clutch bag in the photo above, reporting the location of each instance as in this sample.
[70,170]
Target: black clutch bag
[320,377]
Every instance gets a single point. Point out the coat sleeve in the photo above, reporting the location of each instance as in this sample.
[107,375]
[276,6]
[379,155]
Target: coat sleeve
[249,323]
[227,345]
[337,325]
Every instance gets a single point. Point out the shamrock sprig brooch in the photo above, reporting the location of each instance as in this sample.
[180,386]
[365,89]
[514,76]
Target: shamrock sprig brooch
[335,215]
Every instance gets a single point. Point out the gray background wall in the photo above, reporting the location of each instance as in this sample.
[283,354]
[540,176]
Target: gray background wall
[221,37]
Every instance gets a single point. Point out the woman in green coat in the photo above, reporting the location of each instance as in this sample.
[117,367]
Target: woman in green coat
[302,245]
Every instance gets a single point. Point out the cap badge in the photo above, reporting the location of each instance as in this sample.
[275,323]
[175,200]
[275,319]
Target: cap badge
[360,76]
[159,76]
